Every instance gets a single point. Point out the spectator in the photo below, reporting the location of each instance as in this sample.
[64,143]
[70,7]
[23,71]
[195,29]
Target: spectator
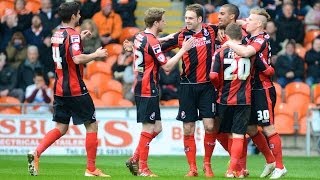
[17,49]
[38,94]
[9,25]
[312,19]
[89,8]
[126,11]
[313,61]
[27,68]
[273,7]
[8,79]
[49,17]
[36,34]
[210,6]
[122,72]
[289,67]
[246,7]
[271,29]
[289,27]
[169,81]
[24,15]
[92,42]
[108,22]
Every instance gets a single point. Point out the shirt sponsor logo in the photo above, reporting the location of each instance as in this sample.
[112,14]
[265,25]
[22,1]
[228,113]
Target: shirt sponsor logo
[75,39]
[156,49]
[57,40]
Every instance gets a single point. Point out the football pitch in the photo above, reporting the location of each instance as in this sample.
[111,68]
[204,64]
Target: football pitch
[167,167]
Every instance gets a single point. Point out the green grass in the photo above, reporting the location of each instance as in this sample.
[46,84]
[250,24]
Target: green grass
[167,167]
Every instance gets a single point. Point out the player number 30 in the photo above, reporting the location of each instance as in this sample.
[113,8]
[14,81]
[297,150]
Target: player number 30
[263,115]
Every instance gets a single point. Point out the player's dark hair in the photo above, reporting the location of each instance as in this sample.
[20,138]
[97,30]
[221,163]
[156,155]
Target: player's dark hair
[232,9]
[66,10]
[198,9]
[152,15]
[233,30]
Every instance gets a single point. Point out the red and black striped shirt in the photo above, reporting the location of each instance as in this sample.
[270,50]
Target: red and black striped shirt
[148,58]
[260,43]
[66,43]
[196,62]
[231,75]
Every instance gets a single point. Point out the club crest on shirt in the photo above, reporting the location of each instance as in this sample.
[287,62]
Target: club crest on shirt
[156,48]
[259,40]
[205,32]
[75,39]
[75,47]
[183,115]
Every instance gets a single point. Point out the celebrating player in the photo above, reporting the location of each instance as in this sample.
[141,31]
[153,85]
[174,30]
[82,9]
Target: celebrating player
[148,58]
[71,97]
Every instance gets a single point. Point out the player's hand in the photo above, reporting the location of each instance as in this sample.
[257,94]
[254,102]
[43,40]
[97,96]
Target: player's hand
[101,53]
[167,38]
[85,33]
[221,35]
[127,45]
[187,45]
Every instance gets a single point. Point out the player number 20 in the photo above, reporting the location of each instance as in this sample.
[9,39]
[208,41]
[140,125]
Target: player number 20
[243,66]
[263,115]
[56,56]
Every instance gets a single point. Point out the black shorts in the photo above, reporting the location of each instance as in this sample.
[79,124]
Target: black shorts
[234,119]
[194,97]
[148,109]
[263,103]
[80,108]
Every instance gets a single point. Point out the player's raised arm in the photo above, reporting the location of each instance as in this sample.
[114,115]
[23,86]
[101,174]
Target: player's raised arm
[100,53]
[186,46]
[241,50]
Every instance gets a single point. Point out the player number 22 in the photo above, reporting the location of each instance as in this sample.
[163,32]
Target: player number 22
[243,66]
[56,57]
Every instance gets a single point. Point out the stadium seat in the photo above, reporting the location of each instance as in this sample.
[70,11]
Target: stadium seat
[99,78]
[114,85]
[98,103]
[284,119]
[297,92]
[127,33]
[96,67]
[113,49]
[111,98]
[33,6]
[171,102]
[125,103]
[303,115]
[10,100]
[279,92]
[6,4]
[310,36]
[110,62]
[91,87]
[213,18]
[10,111]
[301,51]
[316,94]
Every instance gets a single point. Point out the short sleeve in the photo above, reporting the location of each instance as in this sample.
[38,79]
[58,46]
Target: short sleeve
[75,45]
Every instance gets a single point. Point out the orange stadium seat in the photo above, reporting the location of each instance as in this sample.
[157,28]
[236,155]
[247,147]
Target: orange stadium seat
[303,114]
[99,78]
[171,102]
[297,92]
[6,4]
[98,102]
[33,6]
[114,85]
[127,33]
[284,119]
[96,67]
[213,18]
[279,92]
[316,94]
[310,36]
[113,49]
[110,62]
[111,98]
[10,100]
[10,111]
[125,103]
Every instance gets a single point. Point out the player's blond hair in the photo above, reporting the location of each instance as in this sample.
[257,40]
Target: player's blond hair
[261,12]
[152,15]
